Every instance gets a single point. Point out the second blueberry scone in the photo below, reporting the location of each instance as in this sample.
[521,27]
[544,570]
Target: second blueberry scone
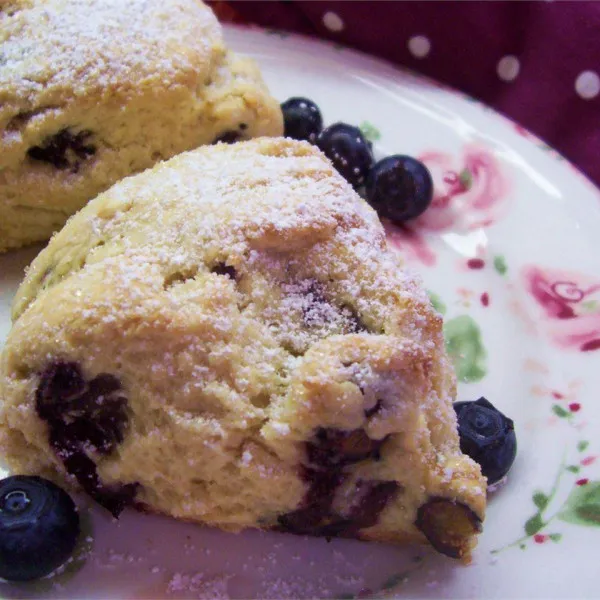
[227,339]
[94,90]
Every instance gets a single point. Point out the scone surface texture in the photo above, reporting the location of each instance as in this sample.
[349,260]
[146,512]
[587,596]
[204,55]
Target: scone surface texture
[94,90]
[227,339]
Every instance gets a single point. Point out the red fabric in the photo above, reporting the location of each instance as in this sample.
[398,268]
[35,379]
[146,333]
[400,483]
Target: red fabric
[554,43]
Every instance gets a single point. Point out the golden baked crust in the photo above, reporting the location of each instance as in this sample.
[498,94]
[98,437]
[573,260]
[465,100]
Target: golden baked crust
[94,90]
[266,360]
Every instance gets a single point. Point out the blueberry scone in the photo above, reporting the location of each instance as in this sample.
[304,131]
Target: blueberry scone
[226,338]
[94,90]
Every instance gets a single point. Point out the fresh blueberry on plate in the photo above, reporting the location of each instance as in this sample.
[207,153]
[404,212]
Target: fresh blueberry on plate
[487,436]
[399,188]
[346,147]
[39,527]
[302,119]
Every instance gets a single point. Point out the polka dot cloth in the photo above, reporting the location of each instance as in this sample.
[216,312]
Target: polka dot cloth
[536,62]
[587,85]
[333,22]
[508,68]
[419,46]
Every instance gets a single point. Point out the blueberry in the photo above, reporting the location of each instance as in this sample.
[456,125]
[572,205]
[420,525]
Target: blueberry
[448,525]
[228,137]
[399,188]
[348,150]
[85,417]
[487,436]
[64,150]
[39,526]
[302,119]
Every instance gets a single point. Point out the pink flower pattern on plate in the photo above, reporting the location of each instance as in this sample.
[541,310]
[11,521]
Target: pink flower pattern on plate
[569,304]
[470,192]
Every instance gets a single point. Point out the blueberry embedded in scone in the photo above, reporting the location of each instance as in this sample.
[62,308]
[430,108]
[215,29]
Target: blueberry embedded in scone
[96,90]
[227,339]
[84,418]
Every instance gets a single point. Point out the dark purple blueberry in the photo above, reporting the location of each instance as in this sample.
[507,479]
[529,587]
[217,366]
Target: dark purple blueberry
[94,413]
[372,498]
[72,453]
[328,453]
[316,309]
[302,119]
[487,436]
[399,188]
[315,306]
[448,526]
[224,270]
[64,150]
[356,324]
[348,150]
[317,518]
[315,509]
[303,521]
[228,137]
[374,409]
[339,447]
[39,527]
[83,418]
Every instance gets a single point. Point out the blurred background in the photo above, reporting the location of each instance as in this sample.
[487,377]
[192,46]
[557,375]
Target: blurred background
[538,63]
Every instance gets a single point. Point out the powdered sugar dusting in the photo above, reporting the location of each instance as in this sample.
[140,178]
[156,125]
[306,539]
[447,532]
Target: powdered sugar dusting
[92,44]
[285,196]
[256,288]
[310,253]
[202,587]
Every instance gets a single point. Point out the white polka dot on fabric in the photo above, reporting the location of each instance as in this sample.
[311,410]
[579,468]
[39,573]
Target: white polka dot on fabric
[419,46]
[508,68]
[333,21]
[587,85]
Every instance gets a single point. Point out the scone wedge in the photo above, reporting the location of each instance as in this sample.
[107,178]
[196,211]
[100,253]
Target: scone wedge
[94,90]
[226,338]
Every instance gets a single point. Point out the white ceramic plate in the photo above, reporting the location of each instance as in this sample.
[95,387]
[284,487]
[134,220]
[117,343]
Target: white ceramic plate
[511,251]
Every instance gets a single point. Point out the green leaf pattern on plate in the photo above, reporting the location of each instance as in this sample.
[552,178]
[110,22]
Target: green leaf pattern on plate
[466,178]
[534,524]
[278,33]
[500,264]
[465,346]
[391,583]
[394,581]
[437,302]
[540,500]
[371,133]
[590,306]
[559,411]
[583,505]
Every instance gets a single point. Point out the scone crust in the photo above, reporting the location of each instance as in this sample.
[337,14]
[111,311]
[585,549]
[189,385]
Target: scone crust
[115,86]
[244,298]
